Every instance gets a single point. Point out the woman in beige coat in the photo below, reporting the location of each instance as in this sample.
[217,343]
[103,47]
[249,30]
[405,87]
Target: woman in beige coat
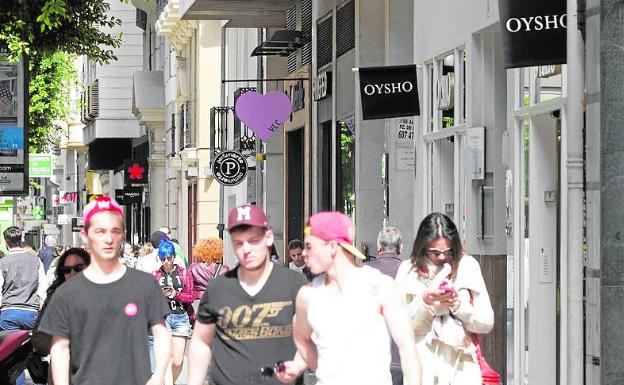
[447,302]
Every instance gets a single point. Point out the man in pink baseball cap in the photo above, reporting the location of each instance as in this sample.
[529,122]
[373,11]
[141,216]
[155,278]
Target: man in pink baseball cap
[245,315]
[352,310]
[99,319]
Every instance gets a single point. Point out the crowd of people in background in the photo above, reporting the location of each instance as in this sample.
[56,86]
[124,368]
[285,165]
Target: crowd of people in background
[318,316]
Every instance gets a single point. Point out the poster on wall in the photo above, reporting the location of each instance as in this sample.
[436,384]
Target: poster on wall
[13,173]
[389,92]
[533,32]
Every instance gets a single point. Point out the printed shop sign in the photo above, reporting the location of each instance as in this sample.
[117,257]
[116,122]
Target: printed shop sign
[64,198]
[135,172]
[533,32]
[263,114]
[40,165]
[389,92]
[229,168]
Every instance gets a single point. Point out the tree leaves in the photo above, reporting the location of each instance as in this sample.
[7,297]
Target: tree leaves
[46,26]
[51,77]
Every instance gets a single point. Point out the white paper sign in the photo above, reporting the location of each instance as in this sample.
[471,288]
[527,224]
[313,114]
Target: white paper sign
[405,158]
[475,157]
[405,130]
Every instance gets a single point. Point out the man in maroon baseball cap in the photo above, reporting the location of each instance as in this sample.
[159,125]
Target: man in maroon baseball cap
[245,315]
[347,302]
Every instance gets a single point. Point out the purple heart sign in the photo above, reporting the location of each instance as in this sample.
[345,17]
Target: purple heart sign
[263,113]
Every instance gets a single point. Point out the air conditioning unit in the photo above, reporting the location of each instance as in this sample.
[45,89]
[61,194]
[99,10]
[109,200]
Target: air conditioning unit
[191,172]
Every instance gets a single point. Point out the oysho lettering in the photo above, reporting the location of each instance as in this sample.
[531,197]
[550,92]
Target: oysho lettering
[388,88]
[536,23]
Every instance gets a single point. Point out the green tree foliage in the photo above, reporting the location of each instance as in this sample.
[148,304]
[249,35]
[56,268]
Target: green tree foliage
[51,76]
[50,33]
[80,27]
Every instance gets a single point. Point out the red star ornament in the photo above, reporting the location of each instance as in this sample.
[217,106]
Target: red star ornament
[136,171]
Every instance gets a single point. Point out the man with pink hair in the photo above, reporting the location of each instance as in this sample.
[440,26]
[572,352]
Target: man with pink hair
[100,318]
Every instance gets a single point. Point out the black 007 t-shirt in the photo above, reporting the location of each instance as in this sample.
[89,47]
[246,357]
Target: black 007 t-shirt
[107,326]
[252,331]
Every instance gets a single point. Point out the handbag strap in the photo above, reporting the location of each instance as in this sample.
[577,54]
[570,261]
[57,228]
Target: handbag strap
[219,266]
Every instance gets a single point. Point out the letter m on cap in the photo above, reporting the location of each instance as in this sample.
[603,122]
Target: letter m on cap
[244,213]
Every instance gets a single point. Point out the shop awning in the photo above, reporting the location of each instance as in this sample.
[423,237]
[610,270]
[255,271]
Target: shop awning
[109,153]
[533,32]
[148,96]
[240,13]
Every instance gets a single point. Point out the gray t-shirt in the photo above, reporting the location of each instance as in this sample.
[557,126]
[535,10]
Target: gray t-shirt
[252,331]
[106,325]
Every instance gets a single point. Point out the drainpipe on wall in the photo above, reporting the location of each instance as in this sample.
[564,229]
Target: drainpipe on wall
[572,138]
[221,225]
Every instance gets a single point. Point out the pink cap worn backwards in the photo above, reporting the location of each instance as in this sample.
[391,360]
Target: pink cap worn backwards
[334,226]
[102,203]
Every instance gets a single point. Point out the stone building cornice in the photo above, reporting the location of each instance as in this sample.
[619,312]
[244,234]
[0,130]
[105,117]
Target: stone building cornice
[171,26]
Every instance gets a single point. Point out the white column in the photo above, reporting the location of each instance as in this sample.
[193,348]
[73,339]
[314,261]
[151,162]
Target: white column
[572,146]
[157,177]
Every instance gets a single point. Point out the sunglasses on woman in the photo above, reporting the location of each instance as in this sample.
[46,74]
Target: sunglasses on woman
[77,268]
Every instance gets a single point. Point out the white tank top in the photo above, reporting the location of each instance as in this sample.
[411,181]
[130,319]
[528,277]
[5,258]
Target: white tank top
[350,334]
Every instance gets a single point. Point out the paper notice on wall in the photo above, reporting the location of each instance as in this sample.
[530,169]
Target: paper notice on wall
[405,130]
[405,159]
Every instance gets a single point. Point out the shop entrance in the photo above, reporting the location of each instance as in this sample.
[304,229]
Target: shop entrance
[539,278]
[296,183]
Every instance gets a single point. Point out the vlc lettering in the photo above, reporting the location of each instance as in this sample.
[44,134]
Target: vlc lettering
[388,88]
[274,126]
[536,23]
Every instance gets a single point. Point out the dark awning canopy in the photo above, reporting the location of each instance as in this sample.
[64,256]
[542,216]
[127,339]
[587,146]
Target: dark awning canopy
[282,43]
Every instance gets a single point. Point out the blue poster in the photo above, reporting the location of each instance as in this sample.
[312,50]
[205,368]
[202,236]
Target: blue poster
[11,138]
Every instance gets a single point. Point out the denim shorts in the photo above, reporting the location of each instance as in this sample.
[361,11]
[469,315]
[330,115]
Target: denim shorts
[179,324]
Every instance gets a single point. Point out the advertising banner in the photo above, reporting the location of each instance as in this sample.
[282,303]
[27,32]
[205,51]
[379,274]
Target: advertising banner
[40,165]
[533,32]
[389,92]
[13,174]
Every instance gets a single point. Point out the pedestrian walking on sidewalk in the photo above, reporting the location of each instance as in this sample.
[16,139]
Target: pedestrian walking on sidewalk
[98,320]
[22,286]
[70,263]
[447,303]
[177,286]
[244,321]
[344,316]
[207,264]
[389,247]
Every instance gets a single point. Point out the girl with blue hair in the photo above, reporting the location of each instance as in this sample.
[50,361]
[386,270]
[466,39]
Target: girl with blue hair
[177,285]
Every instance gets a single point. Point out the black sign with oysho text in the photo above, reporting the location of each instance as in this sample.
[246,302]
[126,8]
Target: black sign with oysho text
[135,172]
[533,32]
[389,92]
[229,168]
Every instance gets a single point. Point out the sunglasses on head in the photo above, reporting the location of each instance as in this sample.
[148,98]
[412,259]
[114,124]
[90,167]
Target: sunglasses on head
[77,268]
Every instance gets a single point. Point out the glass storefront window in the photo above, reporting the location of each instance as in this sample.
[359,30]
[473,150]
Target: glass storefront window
[346,167]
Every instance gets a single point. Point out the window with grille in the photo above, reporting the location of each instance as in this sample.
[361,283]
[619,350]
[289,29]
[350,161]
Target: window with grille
[345,28]
[324,31]
[291,24]
[306,28]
